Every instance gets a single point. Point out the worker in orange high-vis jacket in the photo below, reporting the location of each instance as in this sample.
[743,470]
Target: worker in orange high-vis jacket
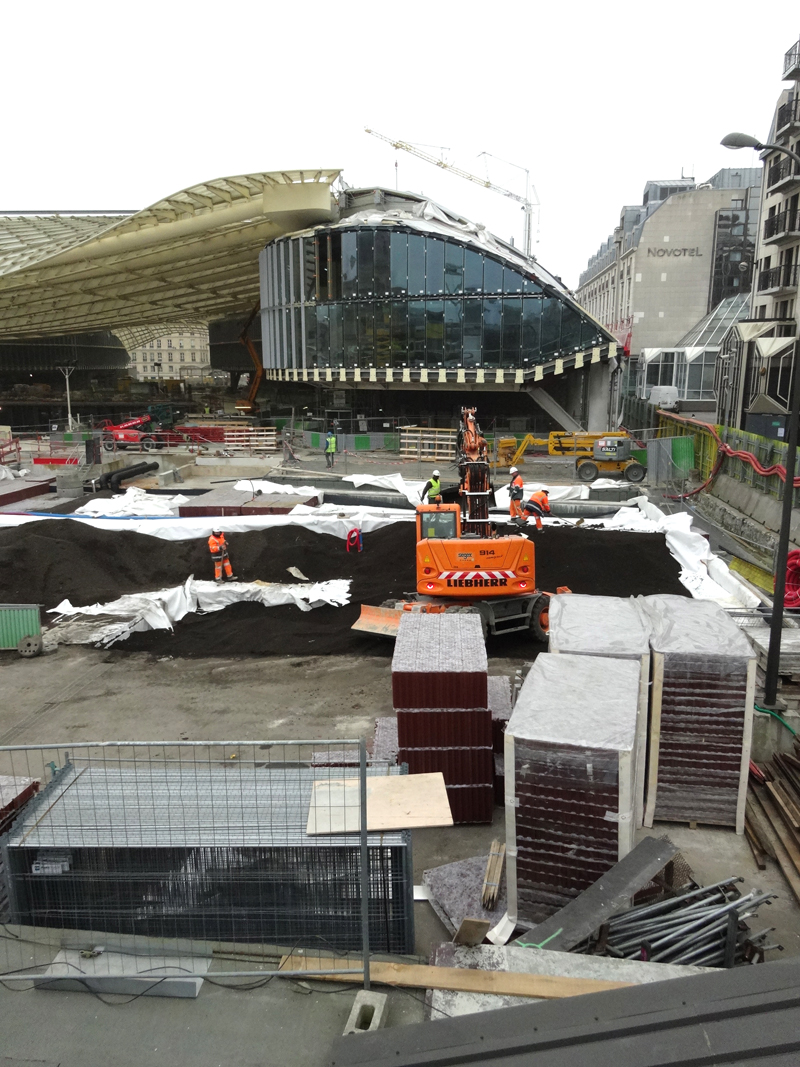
[515,494]
[538,505]
[218,547]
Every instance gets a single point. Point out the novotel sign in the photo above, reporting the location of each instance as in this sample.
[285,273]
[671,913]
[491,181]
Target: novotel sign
[673,252]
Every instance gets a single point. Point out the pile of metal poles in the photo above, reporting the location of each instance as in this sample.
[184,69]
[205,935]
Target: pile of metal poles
[705,926]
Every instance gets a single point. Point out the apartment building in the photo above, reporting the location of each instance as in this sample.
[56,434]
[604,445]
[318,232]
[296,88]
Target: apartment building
[674,257]
[181,355]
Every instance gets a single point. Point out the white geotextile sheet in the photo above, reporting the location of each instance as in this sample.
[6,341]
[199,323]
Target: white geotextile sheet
[693,627]
[586,701]
[160,610]
[133,501]
[337,521]
[410,490]
[598,626]
[556,492]
[256,485]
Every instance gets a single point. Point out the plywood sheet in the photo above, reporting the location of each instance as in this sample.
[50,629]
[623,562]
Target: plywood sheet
[400,802]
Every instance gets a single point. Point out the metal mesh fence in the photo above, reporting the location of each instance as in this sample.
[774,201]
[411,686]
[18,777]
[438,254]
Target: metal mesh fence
[228,856]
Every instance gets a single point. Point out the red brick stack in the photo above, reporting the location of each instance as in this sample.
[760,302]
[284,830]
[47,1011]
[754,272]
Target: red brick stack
[439,688]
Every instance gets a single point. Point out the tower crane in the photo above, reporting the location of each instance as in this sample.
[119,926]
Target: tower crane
[527,204]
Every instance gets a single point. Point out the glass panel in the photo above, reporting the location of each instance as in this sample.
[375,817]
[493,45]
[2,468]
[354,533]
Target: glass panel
[652,373]
[512,280]
[311,335]
[531,326]
[473,271]
[335,267]
[399,254]
[310,274]
[337,347]
[453,268]
[382,263]
[434,267]
[473,320]
[383,332]
[399,333]
[707,383]
[285,261]
[492,276]
[492,329]
[416,264]
[590,335]
[349,266]
[512,331]
[570,329]
[323,336]
[438,524]
[551,325]
[350,335]
[453,319]
[416,330]
[530,286]
[434,312]
[296,269]
[322,266]
[366,264]
[366,339]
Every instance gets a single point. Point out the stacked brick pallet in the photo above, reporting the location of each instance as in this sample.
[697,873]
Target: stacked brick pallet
[440,695]
[569,772]
[608,626]
[701,713]
[788,668]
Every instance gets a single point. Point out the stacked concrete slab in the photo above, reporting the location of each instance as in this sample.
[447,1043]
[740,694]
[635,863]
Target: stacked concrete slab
[439,690]
[615,627]
[701,713]
[569,772]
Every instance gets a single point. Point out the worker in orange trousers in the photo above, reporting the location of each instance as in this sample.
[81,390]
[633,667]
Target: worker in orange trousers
[538,505]
[218,547]
[515,495]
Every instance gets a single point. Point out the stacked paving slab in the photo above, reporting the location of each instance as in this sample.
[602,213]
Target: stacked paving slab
[701,713]
[569,775]
[440,695]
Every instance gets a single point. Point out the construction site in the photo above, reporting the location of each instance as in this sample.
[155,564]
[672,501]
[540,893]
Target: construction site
[420,698]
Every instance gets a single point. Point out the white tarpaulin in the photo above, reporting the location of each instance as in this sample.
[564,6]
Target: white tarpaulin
[133,501]
[260,485]
[159,610]
[410,490]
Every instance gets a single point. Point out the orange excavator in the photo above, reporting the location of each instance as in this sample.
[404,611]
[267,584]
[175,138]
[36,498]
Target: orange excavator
[463,564]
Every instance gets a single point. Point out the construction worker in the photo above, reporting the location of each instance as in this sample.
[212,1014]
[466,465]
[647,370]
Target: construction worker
[330,448]
[433,488]
[515,495]
[218,547]
[538,505]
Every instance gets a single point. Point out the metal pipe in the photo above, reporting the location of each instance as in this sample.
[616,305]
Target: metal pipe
[665,904]
[123,475]
[364,858]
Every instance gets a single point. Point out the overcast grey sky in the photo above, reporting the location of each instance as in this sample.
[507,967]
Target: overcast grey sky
[117,105]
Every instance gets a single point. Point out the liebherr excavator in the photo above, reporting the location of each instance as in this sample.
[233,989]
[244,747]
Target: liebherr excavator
[462,563]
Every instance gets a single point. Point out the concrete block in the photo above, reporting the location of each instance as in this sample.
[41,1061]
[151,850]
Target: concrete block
[369,1012]
[114,972]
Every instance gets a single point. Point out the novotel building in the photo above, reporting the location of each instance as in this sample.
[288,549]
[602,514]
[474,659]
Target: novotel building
[673,258]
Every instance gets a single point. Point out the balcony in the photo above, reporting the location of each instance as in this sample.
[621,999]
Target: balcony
[778,279]
[784,226]
[782,174]
[788,117]
[791,63]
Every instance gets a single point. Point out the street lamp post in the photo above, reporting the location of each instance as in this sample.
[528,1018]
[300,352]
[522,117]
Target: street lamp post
[744,140]
[67,370]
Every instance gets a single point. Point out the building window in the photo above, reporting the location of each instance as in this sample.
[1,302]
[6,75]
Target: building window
[169,343]
[158,344]
[183,357]
[194,358]
[169,357]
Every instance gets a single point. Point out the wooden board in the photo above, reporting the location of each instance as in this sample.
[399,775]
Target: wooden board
[472,931]
[456,979]
[772,826]
[396,802]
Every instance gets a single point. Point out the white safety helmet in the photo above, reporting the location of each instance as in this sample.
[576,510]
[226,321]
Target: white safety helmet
[513,470]
[216,533]
[436,474]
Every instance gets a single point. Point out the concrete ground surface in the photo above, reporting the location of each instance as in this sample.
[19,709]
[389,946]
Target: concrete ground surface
[78,694]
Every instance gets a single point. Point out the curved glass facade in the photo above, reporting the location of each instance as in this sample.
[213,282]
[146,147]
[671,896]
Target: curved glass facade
[379,296]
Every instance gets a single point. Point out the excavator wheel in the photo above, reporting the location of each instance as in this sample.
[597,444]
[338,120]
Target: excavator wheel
[540,618]
[587,471]
[634,472]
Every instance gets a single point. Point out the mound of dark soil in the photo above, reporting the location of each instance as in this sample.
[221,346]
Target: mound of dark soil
[44,562]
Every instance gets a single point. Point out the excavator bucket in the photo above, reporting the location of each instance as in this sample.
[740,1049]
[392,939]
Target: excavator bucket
[385,621]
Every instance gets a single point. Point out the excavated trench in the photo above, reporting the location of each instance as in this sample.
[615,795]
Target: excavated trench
[45,562]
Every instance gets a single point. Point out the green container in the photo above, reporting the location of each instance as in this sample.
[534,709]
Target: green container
[362,442]
[315,440]
[18,621]
[683,453]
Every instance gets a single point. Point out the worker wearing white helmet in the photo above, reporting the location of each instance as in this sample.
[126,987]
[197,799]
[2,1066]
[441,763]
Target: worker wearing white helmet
[515,494]
[433,488]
